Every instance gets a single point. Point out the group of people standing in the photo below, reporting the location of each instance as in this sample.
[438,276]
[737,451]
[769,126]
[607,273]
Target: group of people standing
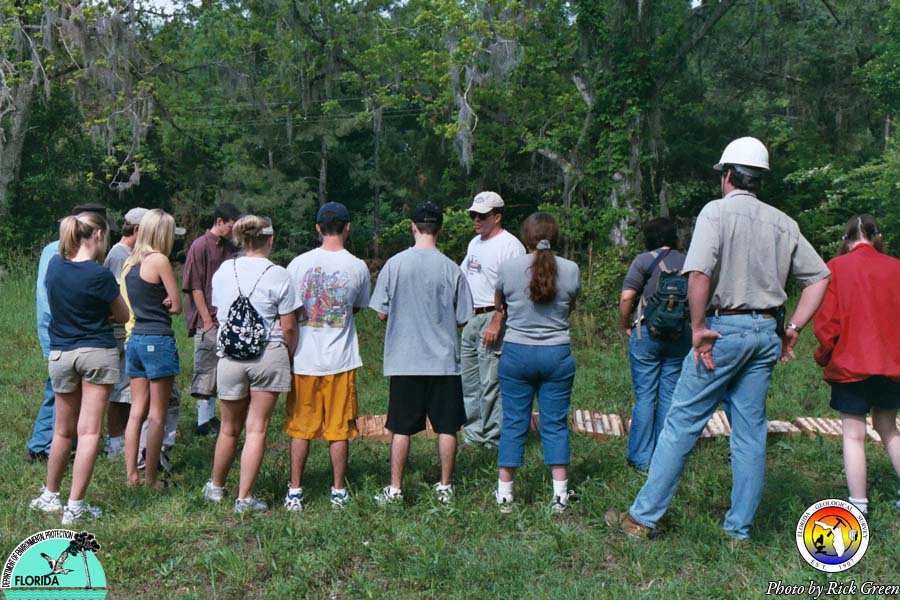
[511,297]
[109,337]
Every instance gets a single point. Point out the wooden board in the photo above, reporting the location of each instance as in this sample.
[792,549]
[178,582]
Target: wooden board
[598,425]
[870,430]
[717,426]
[777,428]
[373,427]
[813,426]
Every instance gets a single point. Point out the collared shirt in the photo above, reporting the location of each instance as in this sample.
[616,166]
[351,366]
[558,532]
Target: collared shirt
[857,326]
[204,258]
[43,304]
[748,248]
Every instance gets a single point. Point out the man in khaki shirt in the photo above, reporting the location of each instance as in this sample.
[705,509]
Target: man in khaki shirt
[740,256]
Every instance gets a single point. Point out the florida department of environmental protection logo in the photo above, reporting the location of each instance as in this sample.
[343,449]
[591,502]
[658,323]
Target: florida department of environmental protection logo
[832,535]
[56,564]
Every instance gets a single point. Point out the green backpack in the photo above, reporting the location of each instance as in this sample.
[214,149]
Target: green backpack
[667,313]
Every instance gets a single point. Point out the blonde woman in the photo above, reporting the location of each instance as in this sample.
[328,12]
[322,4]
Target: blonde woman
[249,388]
[151,355]
[84,362]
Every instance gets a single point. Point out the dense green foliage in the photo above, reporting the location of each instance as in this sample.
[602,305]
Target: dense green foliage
[606,112]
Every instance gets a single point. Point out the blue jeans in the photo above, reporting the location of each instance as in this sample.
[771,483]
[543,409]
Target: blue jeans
[151,356]
[524,371]
[655,367]
[43,424]
[744,358]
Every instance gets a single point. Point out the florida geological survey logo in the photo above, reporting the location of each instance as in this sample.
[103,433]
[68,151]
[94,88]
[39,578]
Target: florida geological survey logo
[832,535]
[56,564]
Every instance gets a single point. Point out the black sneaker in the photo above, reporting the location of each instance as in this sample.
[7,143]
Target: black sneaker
[211,427]
[32,457]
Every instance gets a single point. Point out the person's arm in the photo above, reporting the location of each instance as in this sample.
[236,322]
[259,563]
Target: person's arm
[810,299]
[202,309]
[289,331]
[381,316]
[703,338]
[827,326]
[492,331]
[119,310]
[164,268]
[626,303]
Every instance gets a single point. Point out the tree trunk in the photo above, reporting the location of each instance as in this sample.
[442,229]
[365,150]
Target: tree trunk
[323,173]
[376,206]
[12,140]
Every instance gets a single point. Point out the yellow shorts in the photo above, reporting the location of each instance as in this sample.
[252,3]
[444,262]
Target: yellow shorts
[322,406]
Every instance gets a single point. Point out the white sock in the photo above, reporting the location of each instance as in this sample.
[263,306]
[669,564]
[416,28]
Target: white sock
[206,410]
[341,491]
[442,487]
[48,496]
[504,490]
[392,491]
[561,489]
[76,505]
[861,503]
[295,491]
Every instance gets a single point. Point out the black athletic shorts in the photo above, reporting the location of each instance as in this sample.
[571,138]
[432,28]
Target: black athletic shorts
[858,397]
[413,397]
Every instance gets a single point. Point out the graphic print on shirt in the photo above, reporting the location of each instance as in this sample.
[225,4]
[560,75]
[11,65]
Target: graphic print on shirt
[325,301]
[473,265]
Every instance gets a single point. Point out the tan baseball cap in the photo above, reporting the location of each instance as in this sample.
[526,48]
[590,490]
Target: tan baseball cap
[134,216]
[485,202]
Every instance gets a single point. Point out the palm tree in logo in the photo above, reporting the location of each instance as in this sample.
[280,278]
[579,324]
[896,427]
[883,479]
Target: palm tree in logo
[82,543]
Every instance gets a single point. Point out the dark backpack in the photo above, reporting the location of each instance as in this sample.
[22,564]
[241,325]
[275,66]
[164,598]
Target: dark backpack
[667,312]
[243,334]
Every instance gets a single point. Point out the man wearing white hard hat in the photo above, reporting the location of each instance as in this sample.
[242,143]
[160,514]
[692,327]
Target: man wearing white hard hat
[481,339]
[120,398]
[741,254]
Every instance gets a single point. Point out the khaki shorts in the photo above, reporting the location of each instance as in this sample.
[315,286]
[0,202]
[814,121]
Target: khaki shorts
[269,372]
[68,368]
[121,392]
[203,382]
[322,406]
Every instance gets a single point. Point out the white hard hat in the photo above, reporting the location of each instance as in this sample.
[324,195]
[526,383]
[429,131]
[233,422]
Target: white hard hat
[746,151]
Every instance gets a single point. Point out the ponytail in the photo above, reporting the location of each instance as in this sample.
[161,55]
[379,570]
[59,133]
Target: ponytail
[540,232]
[75,228]
[861,228]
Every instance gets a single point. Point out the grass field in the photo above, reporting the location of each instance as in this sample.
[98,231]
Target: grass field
[177,545]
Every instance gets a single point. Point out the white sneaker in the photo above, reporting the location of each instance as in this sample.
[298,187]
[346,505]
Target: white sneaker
[444,495]
[251,504]
[294,502]
[85,513]
[339,498]
[504,503]
[385,497]
[47,505]
[560,504]
[213,493]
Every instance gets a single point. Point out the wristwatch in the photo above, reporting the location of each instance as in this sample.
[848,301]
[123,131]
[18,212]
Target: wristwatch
[794,327]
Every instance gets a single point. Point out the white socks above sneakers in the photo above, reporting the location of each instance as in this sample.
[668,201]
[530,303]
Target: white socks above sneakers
[206,410]
[504,491]
[861,503]
[561,490]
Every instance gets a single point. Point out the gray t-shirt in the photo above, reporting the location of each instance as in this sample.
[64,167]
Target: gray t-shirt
[636,278]
[426,298]
[537,324]
[115,262]
[748,248]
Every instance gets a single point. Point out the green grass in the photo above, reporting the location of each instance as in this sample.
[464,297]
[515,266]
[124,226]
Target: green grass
[176,545]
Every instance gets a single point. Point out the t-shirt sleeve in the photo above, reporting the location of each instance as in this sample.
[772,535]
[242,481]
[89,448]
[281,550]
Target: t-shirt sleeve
[288,299]
[381,299]
[498,285]
[636,278]
[703,255]
[105,286]
[464,303]
[218,292]
[807,267]
[577,282]
[365,293]
[194,274]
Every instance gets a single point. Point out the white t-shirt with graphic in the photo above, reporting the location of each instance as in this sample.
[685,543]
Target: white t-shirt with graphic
[329,285]
[482,263]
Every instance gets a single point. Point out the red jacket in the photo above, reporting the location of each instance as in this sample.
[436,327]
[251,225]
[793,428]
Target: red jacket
[858,325]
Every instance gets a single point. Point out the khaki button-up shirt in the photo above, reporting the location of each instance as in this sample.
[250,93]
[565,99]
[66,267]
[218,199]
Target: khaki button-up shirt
[748,248]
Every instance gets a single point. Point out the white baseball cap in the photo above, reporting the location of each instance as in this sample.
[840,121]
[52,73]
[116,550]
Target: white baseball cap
[485,202]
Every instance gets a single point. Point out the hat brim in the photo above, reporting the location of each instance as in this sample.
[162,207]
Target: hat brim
[481,208]
[180,231]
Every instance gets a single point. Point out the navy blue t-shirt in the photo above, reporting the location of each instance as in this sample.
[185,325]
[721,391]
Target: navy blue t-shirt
[79,294]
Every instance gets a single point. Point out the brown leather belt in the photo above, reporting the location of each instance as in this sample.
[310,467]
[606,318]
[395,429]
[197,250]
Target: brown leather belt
[765,313]
[484,309]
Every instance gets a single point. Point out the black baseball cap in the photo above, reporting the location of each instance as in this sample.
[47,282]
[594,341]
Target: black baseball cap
[331,212]
[93,207]
[428,212]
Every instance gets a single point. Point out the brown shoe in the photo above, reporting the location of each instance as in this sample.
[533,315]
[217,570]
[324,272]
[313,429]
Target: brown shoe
[623,522]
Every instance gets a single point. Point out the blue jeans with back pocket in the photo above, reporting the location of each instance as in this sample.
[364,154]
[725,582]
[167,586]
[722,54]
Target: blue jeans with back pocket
[151,356]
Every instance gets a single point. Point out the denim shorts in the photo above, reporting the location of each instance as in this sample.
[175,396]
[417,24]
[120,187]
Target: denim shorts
[151,356]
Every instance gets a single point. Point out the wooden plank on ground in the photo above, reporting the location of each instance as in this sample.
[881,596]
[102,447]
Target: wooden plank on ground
[717,426]
[598,425]
[813,426]
[778,428]
[372,427]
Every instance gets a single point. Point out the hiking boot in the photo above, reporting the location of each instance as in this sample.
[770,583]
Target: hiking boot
[443,494]
[213,493]
[85,513]
[339,498]
[294,502]
[251,505]
[211,427]
[560,504]
[623,522]
[385,497]
[504,503]
[46,502]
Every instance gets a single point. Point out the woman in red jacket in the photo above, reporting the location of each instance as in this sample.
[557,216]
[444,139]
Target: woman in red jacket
[859,347]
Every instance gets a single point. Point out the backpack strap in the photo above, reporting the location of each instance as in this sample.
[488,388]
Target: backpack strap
[238,282]
[658,258]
